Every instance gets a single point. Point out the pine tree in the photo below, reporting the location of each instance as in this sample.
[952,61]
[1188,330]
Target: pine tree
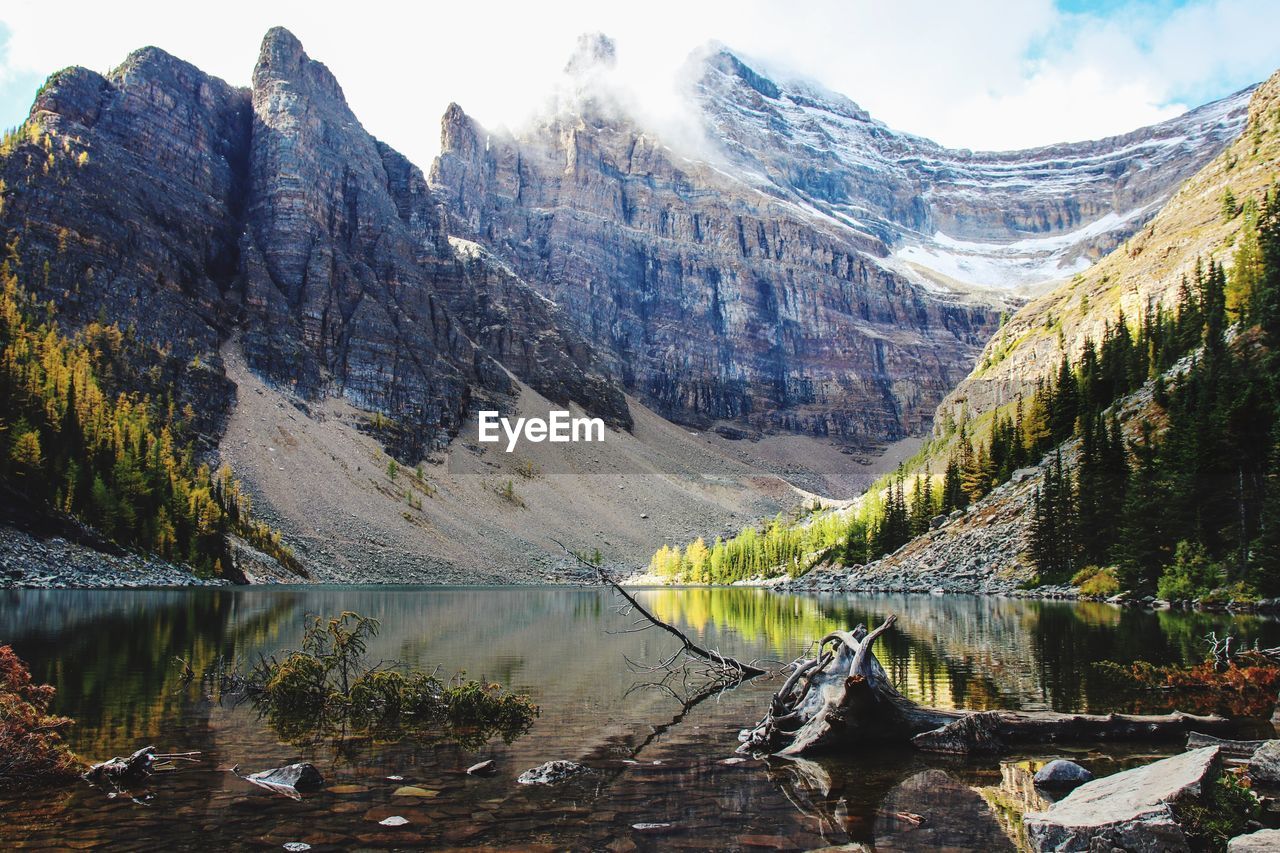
[1229,209]
[1144,547]
[1053,541]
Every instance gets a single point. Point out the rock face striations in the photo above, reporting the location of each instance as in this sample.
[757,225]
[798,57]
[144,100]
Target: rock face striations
[761,282]
[711,302]
[785,269]
[190,211]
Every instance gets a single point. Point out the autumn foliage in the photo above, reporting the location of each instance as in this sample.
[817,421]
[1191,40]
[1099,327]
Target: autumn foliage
[31,748]
[117,460]
[1245,687]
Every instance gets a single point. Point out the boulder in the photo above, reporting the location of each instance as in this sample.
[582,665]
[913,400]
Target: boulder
[1061,773]
[1131,810]
[290,780]
[552,772]
[1262,841]
[1264,766]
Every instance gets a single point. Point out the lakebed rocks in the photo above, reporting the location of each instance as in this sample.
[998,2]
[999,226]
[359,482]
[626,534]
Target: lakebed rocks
[1061,774]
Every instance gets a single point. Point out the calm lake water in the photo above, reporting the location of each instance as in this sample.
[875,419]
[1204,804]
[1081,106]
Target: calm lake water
[111,655]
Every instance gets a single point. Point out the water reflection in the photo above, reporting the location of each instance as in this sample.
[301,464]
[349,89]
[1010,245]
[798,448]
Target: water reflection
[111,656]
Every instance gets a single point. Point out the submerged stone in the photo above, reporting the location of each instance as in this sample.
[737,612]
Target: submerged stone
[552,772]
[1061,773]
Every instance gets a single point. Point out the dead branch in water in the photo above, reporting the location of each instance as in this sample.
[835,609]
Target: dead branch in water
[729,666]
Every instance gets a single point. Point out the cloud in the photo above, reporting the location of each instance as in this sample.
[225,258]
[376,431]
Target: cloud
[979,75]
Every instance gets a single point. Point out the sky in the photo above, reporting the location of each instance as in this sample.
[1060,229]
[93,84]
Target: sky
[968,75]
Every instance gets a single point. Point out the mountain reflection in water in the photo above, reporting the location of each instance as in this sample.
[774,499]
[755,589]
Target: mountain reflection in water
[111,655]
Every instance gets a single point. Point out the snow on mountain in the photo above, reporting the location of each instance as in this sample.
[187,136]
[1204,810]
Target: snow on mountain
[955,219]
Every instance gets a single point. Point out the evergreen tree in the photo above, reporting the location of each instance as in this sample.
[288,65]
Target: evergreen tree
[1144,547]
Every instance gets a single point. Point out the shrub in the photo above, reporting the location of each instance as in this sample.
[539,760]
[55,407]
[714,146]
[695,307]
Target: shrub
[507,491]
[1094,581]
[1190,575]
[1220,813]
[328,689]
[31,747]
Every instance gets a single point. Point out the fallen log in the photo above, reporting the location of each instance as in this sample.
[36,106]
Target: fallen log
[842,698]
[1232,751]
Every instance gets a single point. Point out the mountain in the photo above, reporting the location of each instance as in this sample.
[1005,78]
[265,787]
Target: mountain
[995,221]
[1144,273]
[192,211]
[989,546]
[315,310]
[286,281]
[785,268]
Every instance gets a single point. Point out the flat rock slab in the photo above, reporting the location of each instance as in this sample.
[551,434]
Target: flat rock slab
[1262,841]
[1129,810]
[1264,766]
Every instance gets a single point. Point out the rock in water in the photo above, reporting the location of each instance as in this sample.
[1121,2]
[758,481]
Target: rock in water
[484,768]
[1264,766]
[932,810]
[1128,811]
[1061,773]
[1262,841]
[552,772]
[290,780]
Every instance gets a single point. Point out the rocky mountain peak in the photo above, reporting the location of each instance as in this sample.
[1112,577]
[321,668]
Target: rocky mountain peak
[999,222]
[594,50]
[726,62]
[282,59]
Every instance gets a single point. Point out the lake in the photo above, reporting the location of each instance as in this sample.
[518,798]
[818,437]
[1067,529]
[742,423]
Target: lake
[658,766]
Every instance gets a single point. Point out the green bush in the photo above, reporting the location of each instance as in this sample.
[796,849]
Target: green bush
[1095,581]
[1190,575]
[327,689]
[1219,814]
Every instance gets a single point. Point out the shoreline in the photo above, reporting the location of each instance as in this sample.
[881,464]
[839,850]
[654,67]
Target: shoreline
[30,562]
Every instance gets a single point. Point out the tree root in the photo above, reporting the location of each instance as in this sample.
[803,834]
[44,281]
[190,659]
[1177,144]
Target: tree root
[846,699]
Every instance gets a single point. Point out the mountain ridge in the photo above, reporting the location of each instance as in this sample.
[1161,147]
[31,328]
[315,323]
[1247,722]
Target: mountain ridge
[586,264]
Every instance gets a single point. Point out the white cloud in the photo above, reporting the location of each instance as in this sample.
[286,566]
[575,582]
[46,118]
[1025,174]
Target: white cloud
[979,75]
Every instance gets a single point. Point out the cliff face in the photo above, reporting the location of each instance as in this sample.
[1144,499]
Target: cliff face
[802,266]
[712,301]
[170,202]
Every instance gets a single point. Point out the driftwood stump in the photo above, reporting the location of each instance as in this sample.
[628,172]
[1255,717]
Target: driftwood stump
[842,698]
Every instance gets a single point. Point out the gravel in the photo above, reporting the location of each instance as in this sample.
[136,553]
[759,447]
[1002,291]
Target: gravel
[28,562]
